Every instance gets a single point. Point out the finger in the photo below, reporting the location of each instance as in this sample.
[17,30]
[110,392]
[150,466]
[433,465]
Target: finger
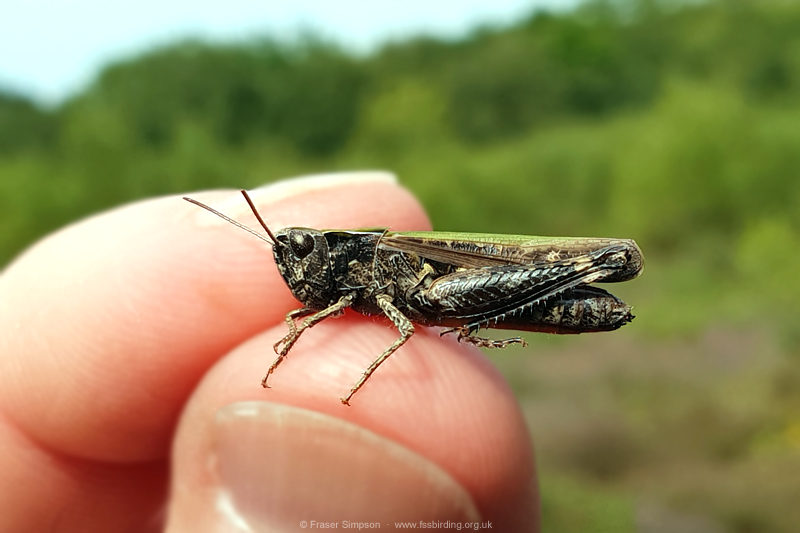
[43,491]
[106,326]
[435,434]
[132,306]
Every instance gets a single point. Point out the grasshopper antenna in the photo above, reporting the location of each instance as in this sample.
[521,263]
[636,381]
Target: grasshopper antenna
[270,239]
[258,216]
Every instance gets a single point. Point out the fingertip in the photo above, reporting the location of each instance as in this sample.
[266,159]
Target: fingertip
[134,305]
[337,200]
[433,397]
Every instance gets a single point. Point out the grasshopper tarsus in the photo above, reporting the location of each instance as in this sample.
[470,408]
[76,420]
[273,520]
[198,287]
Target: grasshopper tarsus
[272,368]
[482,342]
[465,335]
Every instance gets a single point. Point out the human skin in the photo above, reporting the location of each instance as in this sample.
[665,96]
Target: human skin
[132,345]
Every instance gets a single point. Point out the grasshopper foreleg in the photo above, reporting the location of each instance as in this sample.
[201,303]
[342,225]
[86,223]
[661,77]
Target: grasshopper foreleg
[406,331]
[290,322]
[283,346]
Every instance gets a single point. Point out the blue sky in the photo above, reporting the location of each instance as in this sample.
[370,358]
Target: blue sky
[50,49]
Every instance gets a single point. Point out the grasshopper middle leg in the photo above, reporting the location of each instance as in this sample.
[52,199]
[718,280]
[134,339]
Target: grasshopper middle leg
[406,331]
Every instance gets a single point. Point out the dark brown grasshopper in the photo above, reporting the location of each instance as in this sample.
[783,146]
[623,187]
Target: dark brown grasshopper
[461,281]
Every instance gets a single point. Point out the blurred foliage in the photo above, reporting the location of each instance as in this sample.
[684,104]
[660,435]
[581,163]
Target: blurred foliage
[674,123]
[23,126]
[307,95]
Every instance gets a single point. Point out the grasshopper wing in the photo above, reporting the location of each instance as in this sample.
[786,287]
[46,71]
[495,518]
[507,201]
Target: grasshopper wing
[478,250]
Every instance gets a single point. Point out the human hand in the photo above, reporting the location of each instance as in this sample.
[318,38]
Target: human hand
[132,345]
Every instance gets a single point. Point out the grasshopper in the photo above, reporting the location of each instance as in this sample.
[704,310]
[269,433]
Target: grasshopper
[460,281]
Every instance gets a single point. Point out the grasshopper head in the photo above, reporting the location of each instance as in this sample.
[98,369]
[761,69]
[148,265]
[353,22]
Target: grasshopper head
[303,259]
[301,255]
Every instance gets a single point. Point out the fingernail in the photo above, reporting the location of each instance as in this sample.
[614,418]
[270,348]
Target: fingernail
[279,466]
[279,190]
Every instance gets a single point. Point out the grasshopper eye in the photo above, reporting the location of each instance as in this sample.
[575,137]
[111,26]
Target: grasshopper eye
[302,244]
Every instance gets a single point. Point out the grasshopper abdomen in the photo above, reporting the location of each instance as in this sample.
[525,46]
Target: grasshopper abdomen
[580,310]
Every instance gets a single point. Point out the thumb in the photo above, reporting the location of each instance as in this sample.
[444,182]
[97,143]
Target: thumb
[276,465]
[245,457]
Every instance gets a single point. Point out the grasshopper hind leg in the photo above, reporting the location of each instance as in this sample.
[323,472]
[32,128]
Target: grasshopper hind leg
[464,334]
